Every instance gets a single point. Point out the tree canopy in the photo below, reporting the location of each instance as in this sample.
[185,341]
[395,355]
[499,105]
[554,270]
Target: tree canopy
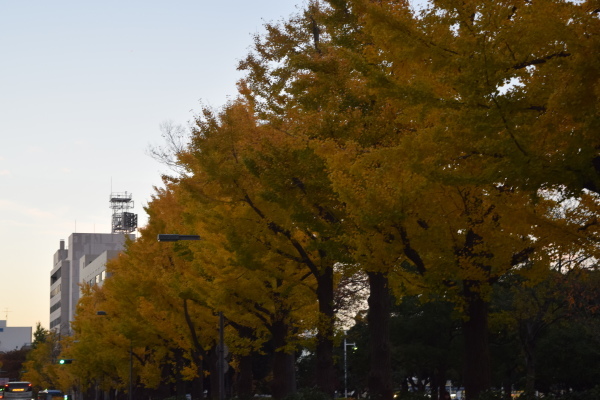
[449,155]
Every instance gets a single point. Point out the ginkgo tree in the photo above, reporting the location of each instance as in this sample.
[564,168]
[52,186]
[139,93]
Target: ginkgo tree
[146,321]
[486,90]
[161,301]
[278,199]
[429,150]
[507,90]
[401,103]
[263,295]
[299,84]
[41,368]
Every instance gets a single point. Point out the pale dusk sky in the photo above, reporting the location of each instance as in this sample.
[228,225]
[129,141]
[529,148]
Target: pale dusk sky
[84,86]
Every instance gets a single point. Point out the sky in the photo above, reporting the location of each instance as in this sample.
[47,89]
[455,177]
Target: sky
[84,87]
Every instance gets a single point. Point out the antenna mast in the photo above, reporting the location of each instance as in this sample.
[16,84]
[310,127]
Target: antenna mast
[123,221]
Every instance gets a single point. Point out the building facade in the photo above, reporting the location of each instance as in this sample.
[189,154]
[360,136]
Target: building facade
[94,268]
[83,260]
[14,338]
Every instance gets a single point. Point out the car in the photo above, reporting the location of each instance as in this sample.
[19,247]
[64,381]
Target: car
[50,394]
[17,391]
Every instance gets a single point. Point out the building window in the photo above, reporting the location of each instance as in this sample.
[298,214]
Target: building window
[55,277]
[55,323]
[55,307]
[55,291]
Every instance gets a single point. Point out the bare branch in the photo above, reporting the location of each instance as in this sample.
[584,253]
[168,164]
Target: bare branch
[176,140]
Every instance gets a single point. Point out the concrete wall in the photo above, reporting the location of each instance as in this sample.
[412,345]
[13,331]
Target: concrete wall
[59,294]
[13,338]
[94,271]
[59,283]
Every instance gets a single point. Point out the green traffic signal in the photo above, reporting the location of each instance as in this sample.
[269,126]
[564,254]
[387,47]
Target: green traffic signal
[65,361]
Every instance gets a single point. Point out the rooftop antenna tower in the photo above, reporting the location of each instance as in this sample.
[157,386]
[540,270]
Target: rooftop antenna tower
[123,221]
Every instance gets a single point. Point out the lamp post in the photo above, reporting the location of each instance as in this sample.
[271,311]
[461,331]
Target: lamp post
[346,366]
[221,359]
[163,237]
[130,397]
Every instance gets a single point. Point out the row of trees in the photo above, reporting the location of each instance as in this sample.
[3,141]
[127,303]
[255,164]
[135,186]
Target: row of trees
[542,337]
[11,363]
[445,154]
[546,334]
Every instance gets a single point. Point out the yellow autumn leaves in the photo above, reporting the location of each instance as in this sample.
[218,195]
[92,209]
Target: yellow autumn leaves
[432,148]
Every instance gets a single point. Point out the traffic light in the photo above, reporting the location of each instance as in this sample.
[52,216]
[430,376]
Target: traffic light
[63,361]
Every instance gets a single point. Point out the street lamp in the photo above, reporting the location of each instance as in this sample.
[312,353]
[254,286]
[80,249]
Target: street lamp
[221,359]
[162,237]
[346,366]
[130,360]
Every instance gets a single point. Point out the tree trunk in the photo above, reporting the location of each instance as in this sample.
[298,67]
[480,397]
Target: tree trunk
[528,342]
[164,387]
[284,372]
[180,391]
[197,355]
[507,388]
[380,374]
[478,361]
[198,382]
[213,358]
[198,388]
[325,373]
[438,383]
[245,376]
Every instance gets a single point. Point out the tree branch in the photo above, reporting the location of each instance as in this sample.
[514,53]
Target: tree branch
[542,60]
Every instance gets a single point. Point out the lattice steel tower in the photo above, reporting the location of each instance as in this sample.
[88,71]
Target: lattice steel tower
[123,221]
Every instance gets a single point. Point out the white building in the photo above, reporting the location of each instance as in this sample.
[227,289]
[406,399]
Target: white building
[94,268]
[14,338]
[84,260]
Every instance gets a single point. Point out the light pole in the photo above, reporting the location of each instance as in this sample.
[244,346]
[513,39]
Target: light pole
[130,360]
[163,237]
[221,359]
[346,366]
